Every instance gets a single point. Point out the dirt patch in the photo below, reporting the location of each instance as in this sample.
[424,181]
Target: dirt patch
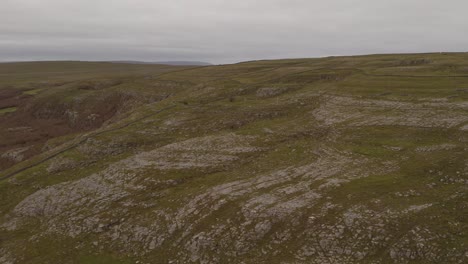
[11,98]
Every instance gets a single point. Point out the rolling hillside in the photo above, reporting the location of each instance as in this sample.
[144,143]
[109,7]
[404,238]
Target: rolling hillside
[332,160]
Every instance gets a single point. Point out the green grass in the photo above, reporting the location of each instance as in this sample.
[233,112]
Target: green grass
[33,91]
[8,110]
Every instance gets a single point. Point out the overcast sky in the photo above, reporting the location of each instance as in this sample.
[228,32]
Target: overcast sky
[222,31]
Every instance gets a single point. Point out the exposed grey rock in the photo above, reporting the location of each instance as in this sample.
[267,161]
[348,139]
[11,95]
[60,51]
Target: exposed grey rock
[270,91]
[61,164]
[15,155]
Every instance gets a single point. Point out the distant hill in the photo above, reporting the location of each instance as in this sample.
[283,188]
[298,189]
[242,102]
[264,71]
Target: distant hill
[175,63]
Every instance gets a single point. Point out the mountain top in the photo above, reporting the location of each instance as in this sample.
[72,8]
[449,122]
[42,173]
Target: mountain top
[175,63]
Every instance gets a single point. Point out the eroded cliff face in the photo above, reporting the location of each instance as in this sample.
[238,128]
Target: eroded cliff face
[235,171]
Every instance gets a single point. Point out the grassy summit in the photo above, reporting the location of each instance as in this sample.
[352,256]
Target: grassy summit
[333,160]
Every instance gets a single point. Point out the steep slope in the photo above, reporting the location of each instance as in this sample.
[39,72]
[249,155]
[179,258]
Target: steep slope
[333,160]
[41,101]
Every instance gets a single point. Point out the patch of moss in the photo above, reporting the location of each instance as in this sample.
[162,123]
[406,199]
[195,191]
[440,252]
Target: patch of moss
[8,110]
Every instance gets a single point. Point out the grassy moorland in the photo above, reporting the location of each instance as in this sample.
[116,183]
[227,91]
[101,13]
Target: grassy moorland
[332,160]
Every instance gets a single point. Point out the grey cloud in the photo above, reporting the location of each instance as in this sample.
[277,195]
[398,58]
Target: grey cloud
[222,31]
